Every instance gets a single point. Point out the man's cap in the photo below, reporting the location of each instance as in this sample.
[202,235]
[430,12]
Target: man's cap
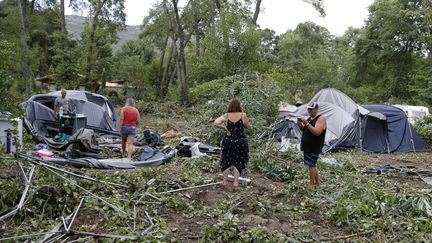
[313,105]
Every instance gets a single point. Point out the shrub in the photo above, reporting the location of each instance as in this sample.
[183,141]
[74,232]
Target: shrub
[423,127]
[259,98]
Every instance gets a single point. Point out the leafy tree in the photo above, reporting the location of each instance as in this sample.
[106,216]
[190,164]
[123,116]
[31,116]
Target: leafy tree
[229,48]
[135,63]
[397,35]
[23,42]
[107,16]
[304,54]
[7,59]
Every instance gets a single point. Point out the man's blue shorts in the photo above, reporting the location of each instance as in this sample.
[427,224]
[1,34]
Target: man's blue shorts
[310,159]
[128,131]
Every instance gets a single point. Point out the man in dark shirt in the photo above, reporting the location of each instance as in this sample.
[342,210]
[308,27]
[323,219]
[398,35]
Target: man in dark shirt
[312,142]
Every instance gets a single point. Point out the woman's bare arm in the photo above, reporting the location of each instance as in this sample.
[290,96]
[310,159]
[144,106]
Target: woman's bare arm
[138,116]
[121,120]
[220,122]
[246,122]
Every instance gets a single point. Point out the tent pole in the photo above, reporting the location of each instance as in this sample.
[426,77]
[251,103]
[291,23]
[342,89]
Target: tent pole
[411,138]
[360,134]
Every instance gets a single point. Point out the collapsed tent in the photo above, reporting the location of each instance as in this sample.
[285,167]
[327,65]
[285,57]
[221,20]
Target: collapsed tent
[97,109]
[150,157]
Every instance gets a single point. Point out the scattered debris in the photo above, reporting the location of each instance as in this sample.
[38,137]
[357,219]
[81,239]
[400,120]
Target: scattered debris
[382,169]
[170,134]
[186,144]
[241,179]
[332,161]
[427,180]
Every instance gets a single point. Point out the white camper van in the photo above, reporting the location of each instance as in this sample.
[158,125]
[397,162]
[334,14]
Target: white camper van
[413,112]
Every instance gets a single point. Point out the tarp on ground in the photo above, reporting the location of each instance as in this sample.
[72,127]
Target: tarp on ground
[40,118]
[154,157]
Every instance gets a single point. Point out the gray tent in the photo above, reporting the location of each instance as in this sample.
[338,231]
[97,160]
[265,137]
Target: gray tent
[339,122]
[40,119]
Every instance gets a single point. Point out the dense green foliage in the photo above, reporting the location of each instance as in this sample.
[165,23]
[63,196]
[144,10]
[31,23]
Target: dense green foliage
[423,127]
[385,61]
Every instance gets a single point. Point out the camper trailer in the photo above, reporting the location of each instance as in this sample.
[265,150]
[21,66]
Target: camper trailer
[413,112]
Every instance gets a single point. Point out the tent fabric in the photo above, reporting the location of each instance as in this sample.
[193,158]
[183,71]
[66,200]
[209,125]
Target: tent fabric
[100,113]
[339,122]
[374,134]
[159,158]
[401,135]
[336,97]
[373,128]
[286,128]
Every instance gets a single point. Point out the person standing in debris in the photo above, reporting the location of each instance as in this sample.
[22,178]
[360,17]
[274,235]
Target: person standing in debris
[235,148]
[129,119]
[312,141]
[62,104]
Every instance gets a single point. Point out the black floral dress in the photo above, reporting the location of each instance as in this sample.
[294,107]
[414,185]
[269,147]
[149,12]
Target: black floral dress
[235,148]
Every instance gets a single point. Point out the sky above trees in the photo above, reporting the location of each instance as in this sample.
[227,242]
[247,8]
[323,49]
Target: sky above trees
[280,15]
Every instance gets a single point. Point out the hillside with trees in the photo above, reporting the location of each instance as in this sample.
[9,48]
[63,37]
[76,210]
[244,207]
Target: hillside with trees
[183,65]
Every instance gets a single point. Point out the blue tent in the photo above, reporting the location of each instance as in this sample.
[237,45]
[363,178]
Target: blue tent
[395,134]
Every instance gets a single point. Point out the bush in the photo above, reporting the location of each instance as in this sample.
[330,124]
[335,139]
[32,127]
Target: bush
[259,98]
[423,127]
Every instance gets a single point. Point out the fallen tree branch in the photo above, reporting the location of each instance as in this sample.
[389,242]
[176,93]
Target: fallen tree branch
[121,237]
[342,237]
[81,239]
[146,231]
[24,236]
[89,192]
[189,188]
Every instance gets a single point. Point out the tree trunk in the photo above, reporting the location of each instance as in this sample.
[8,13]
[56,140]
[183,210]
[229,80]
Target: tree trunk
[257,11]
[167,68]
[173,73]
[181,68]
[88,69]
[160,79]
[63,19]
[196,33]
[197,43]
[222,18]
[24,48]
